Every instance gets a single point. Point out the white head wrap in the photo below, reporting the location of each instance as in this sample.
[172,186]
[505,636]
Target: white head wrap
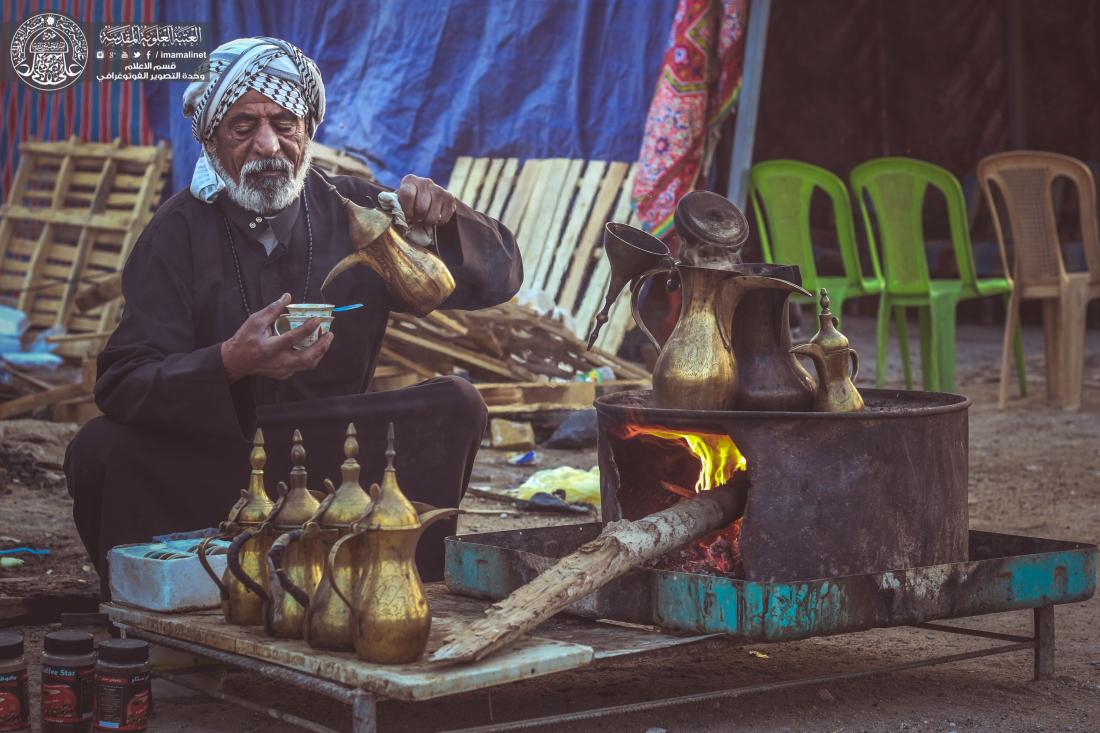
[276,69]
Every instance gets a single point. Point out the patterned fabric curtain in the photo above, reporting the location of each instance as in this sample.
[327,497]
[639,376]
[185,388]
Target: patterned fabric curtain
[698,86]
[93,111]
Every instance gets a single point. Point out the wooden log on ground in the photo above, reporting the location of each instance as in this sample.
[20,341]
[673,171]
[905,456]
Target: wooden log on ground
[622,546]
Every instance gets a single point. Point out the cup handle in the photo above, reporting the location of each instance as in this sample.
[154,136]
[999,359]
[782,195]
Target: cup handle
[278,321]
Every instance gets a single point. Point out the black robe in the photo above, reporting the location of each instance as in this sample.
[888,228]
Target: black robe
[171,453]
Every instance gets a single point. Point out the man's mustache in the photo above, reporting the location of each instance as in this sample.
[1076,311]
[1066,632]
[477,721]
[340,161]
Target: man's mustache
[265,165]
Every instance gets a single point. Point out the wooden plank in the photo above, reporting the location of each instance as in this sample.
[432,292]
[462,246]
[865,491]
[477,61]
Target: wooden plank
[505,186]
[73,147]
[70,217]
[452,352]
[143,212]
[458,176]
[409,364]
[38,258]
[474,180]
[578,215]
[592,234]
[490,184]
[559,393]
[552,247]
[18,188]
[521,196]
[530,657]
[539,213]
[107,179]
[30,403]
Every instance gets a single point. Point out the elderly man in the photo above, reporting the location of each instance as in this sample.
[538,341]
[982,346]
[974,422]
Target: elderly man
[194,365]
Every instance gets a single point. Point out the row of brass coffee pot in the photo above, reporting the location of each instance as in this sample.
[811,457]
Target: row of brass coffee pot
[336,568]
[731,348]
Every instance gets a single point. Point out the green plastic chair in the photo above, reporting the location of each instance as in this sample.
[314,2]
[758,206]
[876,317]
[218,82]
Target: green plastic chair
[891,192]
[781,191]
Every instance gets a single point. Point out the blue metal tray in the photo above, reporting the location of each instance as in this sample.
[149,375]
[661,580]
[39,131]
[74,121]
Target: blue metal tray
[1005,573]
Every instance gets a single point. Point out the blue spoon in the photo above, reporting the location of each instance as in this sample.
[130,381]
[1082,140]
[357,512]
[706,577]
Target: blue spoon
[351,307]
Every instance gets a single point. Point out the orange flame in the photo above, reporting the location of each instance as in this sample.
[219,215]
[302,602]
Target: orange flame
[718,457]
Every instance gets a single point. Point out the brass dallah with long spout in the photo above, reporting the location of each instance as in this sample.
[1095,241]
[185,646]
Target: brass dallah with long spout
[392,619]
[240,604]
[328,623]
[417,280]
[283,614]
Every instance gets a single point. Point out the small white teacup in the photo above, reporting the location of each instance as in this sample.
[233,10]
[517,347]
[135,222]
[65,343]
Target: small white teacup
[299,313]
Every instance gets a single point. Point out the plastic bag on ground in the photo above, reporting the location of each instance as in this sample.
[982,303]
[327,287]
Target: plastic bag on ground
[579,486]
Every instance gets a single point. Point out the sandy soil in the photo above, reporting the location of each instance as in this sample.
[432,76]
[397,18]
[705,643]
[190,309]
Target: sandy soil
[1033,470]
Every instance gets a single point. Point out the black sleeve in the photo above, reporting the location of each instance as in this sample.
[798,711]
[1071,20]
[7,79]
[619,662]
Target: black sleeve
[479,251]
[152,373]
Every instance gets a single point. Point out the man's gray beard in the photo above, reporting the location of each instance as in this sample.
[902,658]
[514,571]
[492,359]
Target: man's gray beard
[261,194]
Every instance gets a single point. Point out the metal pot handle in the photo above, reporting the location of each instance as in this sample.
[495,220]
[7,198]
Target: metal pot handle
[635,291]
[275,557]
[723,333]
[233,562]
[330,561]
[855,363]
[201,552]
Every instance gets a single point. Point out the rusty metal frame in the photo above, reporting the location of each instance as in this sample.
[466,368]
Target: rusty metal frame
[364,704]
[1042,642]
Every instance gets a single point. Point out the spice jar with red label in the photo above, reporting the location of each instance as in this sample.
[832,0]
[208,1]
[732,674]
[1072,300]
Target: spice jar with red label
[68,667]
[123,697]
[15,715]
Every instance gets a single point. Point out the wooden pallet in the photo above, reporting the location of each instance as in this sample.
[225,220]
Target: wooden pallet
[339,162]
[74,214]
[557,209]
[503,343]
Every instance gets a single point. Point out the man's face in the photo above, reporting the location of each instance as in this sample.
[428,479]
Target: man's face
[260,146]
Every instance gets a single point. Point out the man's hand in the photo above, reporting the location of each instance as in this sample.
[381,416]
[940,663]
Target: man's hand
[425,202]
[256,350]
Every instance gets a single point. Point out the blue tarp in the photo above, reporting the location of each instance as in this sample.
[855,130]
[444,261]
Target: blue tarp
[413,85]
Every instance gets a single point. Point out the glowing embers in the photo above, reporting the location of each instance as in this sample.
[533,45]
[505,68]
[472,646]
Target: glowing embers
[718,457]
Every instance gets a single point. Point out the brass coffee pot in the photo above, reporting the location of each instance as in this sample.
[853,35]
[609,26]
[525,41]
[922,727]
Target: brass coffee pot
[417,280]
[328,623]
[730,349]
[391,615]
[831,353]
[240,604]
[283,614]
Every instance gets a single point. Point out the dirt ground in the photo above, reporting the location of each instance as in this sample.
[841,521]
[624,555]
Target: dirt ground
[1033,470]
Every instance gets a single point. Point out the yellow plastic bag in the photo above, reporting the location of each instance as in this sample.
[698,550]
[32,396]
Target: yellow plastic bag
[578,485]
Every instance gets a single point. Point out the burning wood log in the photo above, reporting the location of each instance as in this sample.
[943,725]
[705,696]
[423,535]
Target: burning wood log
[622,546]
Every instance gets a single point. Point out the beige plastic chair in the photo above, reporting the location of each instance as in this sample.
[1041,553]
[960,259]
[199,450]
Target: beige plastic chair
[1024,179]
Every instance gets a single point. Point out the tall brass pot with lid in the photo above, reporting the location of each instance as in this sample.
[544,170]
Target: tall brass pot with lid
[283,613]
[241,604]
[390,609]
[329,620]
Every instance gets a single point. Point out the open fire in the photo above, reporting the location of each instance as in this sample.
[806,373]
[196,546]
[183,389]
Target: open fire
[718,461]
